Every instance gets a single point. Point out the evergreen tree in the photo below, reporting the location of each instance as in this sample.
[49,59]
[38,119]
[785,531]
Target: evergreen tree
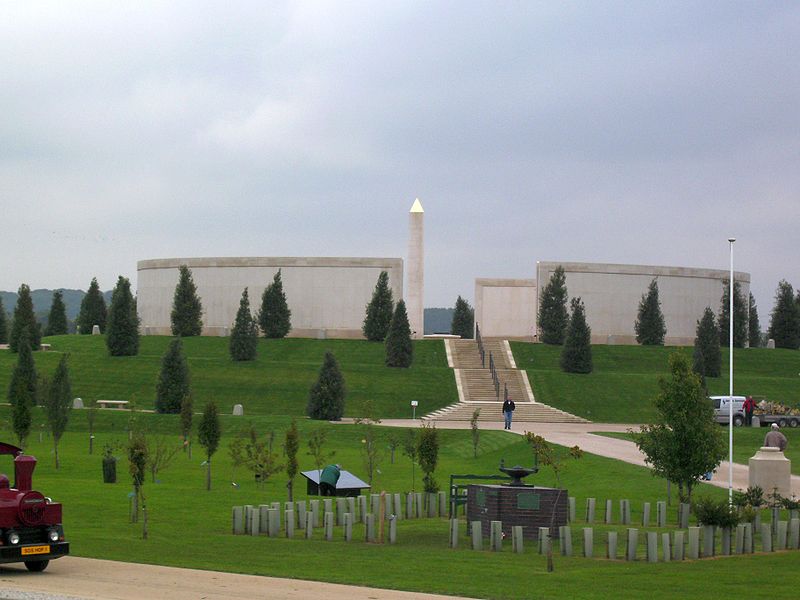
[173,381]
[326,400]
[244,335]
[22,391]
[553,316]
[707,354]
[739,316]
[122,332]
[428,456]
[463,320]
[399,351]
[57,320]
[24,319]
[208,434]
[576,357]
[784,326]
[753,324]
[650,327]
[379,310]
[186,420]
[699,365]
[3,324]
[58,402]
[187,310]
[24,380]
[93,310]
[275,317]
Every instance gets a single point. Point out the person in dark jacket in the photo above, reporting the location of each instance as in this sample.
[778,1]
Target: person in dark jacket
[748,407]
[508,411]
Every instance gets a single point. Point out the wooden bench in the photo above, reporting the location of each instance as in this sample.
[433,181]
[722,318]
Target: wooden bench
[112,403]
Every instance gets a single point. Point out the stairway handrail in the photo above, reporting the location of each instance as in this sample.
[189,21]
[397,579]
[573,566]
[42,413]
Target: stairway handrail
[481,349]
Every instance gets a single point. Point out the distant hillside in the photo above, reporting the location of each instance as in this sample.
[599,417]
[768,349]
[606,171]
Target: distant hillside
[43,299]
[438,320]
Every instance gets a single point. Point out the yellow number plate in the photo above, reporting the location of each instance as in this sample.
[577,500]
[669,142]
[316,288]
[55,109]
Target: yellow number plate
[35,550]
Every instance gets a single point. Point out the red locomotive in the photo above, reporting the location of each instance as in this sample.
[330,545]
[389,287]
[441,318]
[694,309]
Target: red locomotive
[30,524]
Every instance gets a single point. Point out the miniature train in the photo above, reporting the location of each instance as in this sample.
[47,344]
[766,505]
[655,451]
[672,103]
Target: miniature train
[30,523]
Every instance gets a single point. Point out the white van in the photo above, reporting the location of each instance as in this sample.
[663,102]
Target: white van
[722,409]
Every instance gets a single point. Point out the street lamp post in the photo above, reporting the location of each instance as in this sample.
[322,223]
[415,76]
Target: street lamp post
[731,240]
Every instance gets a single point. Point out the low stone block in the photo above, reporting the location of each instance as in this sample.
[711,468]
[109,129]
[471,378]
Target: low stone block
[609,517]
[454,533]
[309,522]
[341,505]
[327,505]
[315,512]
[274,527]
[496,536]
[766,538]
[726,541]
[590,506]
[393,529]
[398,507]
[362,508]
[375,505]
[238,410]
[544,539]
[351,508]
[255,522]
[646,515]
[781,535]
[571,504]
[661,513]
[748,538]
[418,505]
[410,506]
[348,527]
[565,540]
[328,525]
[443,510]
[709,540]
[693,550]
[666,552]
[370,534]
[794,534]
[739,539]
[625,511]
[263,517]
[301,512]
[289,519]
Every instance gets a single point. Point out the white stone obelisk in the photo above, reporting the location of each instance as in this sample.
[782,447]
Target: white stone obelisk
[416,270]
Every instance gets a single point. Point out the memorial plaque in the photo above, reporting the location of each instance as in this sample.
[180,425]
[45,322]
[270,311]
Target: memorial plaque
[528,501]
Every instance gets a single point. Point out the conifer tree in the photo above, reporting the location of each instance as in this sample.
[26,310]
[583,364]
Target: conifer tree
[399,350]
[379,310]
[58,402]
[3,324]
[57,319]
[122,331]
[24,373]
[173,381]
[22,391]
[740,326]
[753,324]
[326,399]
[187,310]
[209,433]
[275,318]
[784,325]
[707,355]
[463,319]
[576,357]
[650,327]
[244,334]
[93,310]
[290,446]
[24,319]
[553,316]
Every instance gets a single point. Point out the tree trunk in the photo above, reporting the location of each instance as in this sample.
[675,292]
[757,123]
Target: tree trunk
[55,447]
[91,443]
[290,486]
[135,506]
[144,518]
[208,475]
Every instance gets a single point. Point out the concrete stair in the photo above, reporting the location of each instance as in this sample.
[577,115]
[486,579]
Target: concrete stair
[526,412]
[478,391]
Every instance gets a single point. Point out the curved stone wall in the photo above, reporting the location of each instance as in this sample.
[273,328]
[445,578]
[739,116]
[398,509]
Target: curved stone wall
[327,296]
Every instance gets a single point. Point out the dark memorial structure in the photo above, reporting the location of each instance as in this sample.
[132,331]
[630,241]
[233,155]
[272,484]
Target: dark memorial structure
[348,484]
[515,503]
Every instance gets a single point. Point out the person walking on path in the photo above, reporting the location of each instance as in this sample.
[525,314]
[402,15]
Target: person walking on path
[748,407]
[775,439]
[508,411]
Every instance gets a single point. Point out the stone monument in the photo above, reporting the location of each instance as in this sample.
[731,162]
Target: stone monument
[416,270]
[770,469]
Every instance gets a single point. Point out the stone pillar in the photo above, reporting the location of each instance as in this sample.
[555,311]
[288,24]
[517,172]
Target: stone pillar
[677,547]
[694,543]
[409,505]
[611,545]
[739,541]
[726,541]
[328,523]
[748,538]
[496,536]
[263,515]
[781,535]
[794,534]
[301,513]
[544,539]
[609,511]
[393,529]
[418,505]
[309,525]
[516,539]
[646,515]
[362,508]
[443,508]
[415,270]
[454,533]
[274,526]
[652,546]
[588,542]
[590,504]
[661,513]
[348,526]
[290,523]
[238,520]
[255,527]
[709,541]
[665,546]
[565,540]
[327,505]
[477,535]
[398,507]
[571,502]
[633,544]
[315,513]
[369,530]
[770,469]
[351,508]
[766,538]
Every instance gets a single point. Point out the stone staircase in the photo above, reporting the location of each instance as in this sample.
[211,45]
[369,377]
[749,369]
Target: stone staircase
[477,390]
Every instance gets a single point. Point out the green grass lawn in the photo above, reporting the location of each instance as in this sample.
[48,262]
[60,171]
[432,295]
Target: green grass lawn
[190,527]
[624,381]
[277,383]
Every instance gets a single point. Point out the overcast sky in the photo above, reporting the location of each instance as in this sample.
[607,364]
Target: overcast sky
[631,132]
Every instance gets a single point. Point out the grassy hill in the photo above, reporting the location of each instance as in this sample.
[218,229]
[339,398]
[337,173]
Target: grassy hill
[277,383]
[625,378]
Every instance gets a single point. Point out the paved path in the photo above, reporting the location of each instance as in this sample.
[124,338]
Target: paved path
[571,434]
[75,578]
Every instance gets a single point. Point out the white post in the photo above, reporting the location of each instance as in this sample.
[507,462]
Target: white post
[730,379]
[415,270]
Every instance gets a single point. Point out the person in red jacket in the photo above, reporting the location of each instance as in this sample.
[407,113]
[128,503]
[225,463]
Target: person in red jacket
[748,406]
